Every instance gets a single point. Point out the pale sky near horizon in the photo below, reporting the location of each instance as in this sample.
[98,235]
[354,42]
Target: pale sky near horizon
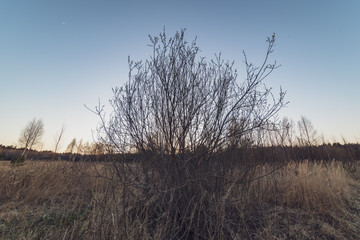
[56,56]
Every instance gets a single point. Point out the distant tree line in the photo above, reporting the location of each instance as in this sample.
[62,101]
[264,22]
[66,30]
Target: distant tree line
[10,153]
[346,152]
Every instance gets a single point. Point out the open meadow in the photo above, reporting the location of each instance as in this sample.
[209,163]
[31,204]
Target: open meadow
[82,200]
[187,147]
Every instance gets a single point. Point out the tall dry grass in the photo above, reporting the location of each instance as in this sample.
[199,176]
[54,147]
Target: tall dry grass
[46,199]
[308,200]
[66,200]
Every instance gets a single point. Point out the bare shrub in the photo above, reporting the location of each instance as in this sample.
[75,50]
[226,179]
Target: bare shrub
[179,114]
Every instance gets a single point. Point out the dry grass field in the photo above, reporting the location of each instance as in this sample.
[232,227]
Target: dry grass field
[67,200]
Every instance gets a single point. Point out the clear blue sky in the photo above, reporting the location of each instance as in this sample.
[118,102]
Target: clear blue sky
[56,56]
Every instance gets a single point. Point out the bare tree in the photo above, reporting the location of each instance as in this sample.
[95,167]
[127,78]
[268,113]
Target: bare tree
[287,132]
[77,146]
[71,146]
[282,134]
[86,148]
[307,133]
[178,111]
[58,140]
[31,135]
[80,147]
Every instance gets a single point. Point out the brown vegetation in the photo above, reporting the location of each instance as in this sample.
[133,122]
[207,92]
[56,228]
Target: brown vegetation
[66,200]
